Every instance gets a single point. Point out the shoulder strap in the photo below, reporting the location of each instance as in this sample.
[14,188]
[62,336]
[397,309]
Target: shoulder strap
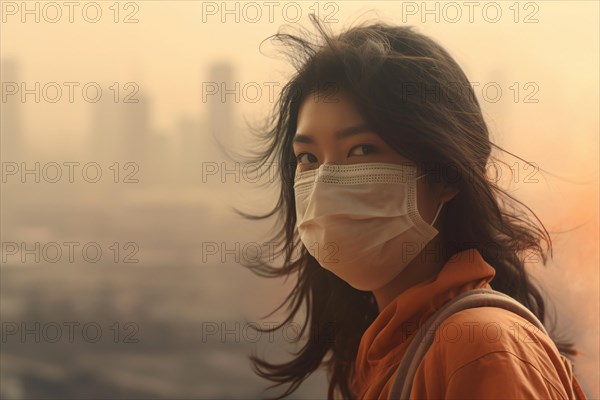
[424,336]
[579,394]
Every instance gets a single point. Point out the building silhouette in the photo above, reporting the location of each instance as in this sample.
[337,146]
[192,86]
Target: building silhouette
[11,128]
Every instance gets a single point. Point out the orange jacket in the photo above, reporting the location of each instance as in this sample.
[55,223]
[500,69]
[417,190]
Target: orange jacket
[478,353]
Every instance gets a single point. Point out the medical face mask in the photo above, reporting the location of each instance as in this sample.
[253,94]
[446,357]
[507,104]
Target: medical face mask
[360,221]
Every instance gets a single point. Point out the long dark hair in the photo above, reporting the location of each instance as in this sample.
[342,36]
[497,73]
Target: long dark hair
[389,71]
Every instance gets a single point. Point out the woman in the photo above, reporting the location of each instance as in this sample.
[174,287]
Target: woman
[383,150]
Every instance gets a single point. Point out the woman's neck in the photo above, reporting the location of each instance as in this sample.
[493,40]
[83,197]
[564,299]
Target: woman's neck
[423,269]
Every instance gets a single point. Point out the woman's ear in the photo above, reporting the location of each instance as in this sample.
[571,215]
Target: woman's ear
[448,192]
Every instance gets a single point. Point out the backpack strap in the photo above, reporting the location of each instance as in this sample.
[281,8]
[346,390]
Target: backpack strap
[579,394]
[424,336]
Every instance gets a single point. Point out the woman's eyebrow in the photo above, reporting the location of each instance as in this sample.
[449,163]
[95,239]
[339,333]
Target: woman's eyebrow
[343,134]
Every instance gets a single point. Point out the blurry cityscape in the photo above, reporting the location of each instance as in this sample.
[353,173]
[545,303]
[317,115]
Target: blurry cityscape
[141,313]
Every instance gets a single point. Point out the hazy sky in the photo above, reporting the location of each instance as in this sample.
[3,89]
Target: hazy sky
[169,50]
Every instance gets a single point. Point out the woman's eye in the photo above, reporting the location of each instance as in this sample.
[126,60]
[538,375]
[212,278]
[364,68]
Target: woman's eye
[366,149]
[309,158]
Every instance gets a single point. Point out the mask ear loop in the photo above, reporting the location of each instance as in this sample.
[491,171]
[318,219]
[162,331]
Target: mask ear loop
[439,208]
[437,213]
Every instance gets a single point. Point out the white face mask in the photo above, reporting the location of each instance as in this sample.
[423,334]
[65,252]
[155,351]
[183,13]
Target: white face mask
[360,221]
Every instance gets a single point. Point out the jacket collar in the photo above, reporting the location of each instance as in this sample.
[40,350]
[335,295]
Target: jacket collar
[385,340]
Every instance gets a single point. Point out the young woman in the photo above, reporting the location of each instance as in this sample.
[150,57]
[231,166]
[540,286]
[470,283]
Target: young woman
[382,150]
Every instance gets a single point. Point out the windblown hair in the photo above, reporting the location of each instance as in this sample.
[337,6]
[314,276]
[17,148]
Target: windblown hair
[417,98]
